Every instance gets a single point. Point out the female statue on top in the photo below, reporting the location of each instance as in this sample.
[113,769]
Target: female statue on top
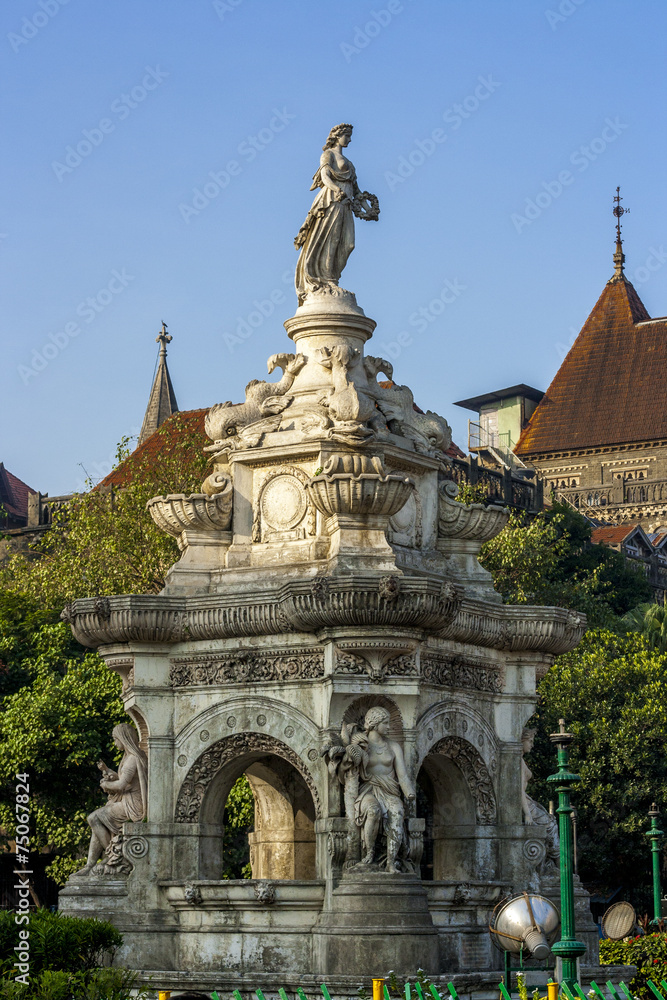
[326,239]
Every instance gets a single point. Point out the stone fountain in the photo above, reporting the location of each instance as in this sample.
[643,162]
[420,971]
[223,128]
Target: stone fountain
[329,632]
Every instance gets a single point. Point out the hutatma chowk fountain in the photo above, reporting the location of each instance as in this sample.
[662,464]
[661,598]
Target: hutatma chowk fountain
[329,632]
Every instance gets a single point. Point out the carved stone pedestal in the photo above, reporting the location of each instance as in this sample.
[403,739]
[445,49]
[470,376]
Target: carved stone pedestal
[376,921]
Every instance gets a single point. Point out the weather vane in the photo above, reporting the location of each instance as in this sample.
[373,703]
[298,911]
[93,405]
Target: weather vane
[619,211]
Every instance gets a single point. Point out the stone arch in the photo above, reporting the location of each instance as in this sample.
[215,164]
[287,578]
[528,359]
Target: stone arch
[142,726]
[286,798]
[225,751]
[456,795]
[469,761]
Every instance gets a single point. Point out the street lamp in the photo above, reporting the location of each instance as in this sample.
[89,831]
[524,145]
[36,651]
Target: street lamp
[568,949]
[655,835]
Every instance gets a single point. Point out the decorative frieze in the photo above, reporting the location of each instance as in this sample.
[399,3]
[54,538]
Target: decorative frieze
[246,667]
[457,672]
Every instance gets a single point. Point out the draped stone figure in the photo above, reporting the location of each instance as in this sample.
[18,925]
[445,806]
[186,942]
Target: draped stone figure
[376,782]
[127,792]
[326,239]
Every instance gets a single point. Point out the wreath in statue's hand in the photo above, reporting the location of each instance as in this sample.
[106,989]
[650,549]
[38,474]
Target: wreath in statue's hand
[366,206]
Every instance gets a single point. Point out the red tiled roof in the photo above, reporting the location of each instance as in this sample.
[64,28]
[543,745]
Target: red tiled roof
[612,534]
[13,493]
[611,387]
[169,431]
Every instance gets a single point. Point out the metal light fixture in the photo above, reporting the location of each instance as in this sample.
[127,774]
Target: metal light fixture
[619,921]
[525,922]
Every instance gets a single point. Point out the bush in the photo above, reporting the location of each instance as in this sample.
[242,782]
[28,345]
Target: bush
[58,944]
[99,984]
[648,953]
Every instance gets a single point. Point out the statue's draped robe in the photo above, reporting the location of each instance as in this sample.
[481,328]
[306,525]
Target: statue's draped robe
[128,805]
[326,238]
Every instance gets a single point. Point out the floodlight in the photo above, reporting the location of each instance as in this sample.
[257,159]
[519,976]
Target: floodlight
[525,922]
[619,921]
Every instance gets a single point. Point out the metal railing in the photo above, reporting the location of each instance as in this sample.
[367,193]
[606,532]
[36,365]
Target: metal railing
[500,486]
[425,990]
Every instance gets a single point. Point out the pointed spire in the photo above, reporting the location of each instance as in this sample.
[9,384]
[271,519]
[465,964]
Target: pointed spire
[619,256]
[162,402]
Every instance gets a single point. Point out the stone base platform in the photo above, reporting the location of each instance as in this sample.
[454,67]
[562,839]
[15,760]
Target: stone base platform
[375,919]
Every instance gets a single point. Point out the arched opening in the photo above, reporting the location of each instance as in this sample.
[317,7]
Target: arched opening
[444,800]
[262,826]
[457,799]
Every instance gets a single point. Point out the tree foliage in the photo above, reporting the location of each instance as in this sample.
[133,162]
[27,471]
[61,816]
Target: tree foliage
[59,702]
[105,542]
[549,559]
[650,620]
[610,691]
[55,723]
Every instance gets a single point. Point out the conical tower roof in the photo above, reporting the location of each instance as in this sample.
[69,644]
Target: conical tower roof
[162,402]
[611,387]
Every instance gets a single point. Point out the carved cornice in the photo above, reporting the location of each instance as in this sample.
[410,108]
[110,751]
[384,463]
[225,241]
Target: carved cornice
[350,601]
[247,667]
[209,763]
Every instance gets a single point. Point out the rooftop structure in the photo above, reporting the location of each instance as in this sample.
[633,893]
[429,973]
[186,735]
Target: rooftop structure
[598,438]
[162,401]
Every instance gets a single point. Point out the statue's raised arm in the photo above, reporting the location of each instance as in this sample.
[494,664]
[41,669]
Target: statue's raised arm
[326,239]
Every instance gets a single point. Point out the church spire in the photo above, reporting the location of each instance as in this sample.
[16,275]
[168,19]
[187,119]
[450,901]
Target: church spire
[619,256]
[162,402]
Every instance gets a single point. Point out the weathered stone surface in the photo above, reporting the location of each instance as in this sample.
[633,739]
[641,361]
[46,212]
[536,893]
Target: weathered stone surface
[328,579]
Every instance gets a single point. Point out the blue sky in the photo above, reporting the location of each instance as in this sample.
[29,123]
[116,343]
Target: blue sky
[494,133]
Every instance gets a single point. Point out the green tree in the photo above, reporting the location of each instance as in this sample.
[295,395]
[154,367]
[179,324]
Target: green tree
[104,542]
[58,701]
[56,717]
[549,559]
[650,620]
[610,691]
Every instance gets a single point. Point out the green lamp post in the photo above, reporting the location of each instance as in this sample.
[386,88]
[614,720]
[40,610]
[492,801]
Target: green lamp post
[568,949]
[655,835]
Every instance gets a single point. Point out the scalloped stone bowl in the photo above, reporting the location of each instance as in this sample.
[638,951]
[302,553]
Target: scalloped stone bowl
[354,495]
[177,513]
[475,522]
